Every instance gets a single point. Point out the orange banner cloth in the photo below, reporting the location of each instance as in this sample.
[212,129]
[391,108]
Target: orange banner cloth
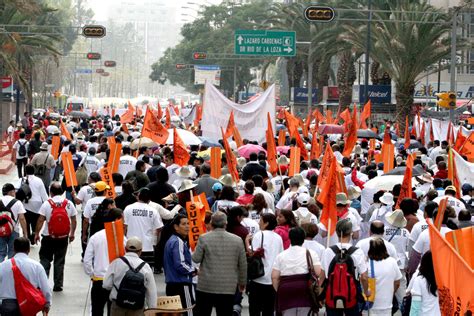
[181,154]
[68,167]
[106,176]
[216,162]
[55,142]
[196,228]
[115,239]
[294,167]
[153,129]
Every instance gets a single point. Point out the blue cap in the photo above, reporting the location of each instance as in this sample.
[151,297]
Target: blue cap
[217,187]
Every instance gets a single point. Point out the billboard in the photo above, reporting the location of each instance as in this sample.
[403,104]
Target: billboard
[203,73]
[300,95]
[378,94]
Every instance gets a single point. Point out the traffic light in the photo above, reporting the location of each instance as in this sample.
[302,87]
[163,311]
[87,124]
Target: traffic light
[110,63]
[94,56]
[446,99]
[199,56]
[100,71]
[317,13]
[96,31]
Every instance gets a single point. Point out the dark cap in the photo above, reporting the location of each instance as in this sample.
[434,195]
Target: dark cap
[95,176]
[7,187]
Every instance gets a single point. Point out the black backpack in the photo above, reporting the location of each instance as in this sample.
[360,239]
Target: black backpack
[24,192]
[22,149]
[131,293]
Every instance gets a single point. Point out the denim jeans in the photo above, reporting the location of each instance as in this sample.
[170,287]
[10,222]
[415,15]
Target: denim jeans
[6,246]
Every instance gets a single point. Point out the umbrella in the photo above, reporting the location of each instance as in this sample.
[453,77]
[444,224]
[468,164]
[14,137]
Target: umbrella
[386,182]
[209,142]
[414,144]
[417,171]
[187,137]
[246,150]
[330,129]
[56,115]
[79,114]
[206,154]
[145,142]
[366,133]
[283,149]
[52,129]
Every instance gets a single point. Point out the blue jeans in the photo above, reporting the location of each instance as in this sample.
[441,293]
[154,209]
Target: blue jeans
[6,246]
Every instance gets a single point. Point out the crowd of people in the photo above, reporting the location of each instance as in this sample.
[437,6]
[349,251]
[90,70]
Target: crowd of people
[378,260]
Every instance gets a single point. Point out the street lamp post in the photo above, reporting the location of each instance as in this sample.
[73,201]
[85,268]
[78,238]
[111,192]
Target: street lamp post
[367,53]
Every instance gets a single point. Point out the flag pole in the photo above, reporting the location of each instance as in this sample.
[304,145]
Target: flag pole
[329,232]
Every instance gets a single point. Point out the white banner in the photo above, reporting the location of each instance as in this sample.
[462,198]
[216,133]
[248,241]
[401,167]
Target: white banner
[250,118]
[464,169]
[203,74]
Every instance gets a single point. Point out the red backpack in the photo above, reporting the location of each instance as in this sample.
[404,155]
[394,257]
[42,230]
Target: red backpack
[342,289]
[59,224]
[7,220]
[30,299]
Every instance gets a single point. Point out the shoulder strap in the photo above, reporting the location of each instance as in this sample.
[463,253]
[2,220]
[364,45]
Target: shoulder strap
[64,204]
[351,250]
[126,262]
[261,244]
[335,249]
[13,262]
[10,205]
[140,266]
[391,237]
[372,272]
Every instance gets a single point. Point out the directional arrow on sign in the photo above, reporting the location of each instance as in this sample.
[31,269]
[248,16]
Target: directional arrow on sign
[288,49]
[240,39]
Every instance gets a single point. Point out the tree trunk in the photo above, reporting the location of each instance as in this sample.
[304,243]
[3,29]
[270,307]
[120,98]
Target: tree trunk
[346,75]
[322,78]
[404,98]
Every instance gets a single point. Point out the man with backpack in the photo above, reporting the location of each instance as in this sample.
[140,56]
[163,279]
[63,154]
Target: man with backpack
[43,163]
[34,280]
[345,269]
[32,206]
[60,216]
[12,213]
[131,282]
[20,153]
[100,187]
[302,214]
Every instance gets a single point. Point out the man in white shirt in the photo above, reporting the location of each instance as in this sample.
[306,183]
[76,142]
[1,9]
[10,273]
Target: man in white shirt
[311,230]
[422,225]
[455,203]
[38,196]
[96,262]
[171,167]
[55,248]
[15,212]
[377,230]
[127,162]
[91,162]
[116,271]
[344,232]
[269,198]
[302,214]
[285,202]
[20,153]
[143,221]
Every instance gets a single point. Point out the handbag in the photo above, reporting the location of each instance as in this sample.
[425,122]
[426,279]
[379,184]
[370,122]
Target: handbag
[81,175]
[369,300]
[255,268]
[314,287]
[30,299]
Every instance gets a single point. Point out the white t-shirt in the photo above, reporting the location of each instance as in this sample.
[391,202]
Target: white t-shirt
[429,302]
[91,163]
[16,146]
[385,272]
[364,245]
[46,210]
[334,240]
[315,246]
[422,244]
[126,164]
[303,215]
[293,261]
[16,209]
[253,215]
[269,198]
[85,194]
[455,203]
[38,194]
[401,237]
[286,200]
[142,221]
[278,182]
[273,246]
[91,206]
[358,257]
[251,225]
[417,229]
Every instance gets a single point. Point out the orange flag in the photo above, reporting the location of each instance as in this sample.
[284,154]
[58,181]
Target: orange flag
[351,138]
[68,167]
[306,125]
[406,190]
[346,117]
[454,276]
[291,123]
[452,173]
[460,139]
[325,166]
[159,111]
[327,197]
[329,117]
[315,149]
[168,118]
[216,162]
[467,149]
[231,160]
[115,236]
[294,167]
[128,116]
[461,240]
[153,129]
[388,156]
[271,147]
[64,130]
[56,141]
[196,227]
[301,146]
[106,176]
[365,115]
[407,134]
[237,137]
[114,157]
[450,137]
[198,115]
[181,154]
[387,138]
[281,137]
[230,125]
[318,116]
[440,215]
[422,133]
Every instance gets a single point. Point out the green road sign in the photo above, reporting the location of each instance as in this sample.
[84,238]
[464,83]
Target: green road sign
[265,43]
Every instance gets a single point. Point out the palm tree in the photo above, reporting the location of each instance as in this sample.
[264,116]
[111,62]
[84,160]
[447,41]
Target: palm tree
[405,42]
